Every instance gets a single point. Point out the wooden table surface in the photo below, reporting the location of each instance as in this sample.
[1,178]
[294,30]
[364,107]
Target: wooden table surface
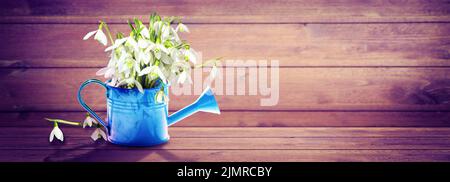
[238,144]
[359,80]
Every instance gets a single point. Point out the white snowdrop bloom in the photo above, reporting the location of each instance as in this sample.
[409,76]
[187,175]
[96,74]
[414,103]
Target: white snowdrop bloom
[88,121]
[145,32]
[147,70]
[136,67]
[175,54]
[147,57]
[161,75]
[184,76]
[98,133]
[117,43]
[89,34]
[156,70]
[182,28]
[157,25]
[192,55]
[166,59]
[138,86]
[161,97]
[174,33]
[56,132]
[108,72]
[157,53]
[131,43]
[165,33]
[99,36]
[143,43]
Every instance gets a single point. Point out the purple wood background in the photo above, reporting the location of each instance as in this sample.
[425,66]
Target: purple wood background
[372,76]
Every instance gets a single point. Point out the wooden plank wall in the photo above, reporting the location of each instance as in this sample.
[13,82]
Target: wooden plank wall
[343,63]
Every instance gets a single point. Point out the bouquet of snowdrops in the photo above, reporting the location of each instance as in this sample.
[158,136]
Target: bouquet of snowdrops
[147,55]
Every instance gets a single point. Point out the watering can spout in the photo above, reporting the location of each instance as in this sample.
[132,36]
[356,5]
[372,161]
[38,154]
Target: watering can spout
[206,103]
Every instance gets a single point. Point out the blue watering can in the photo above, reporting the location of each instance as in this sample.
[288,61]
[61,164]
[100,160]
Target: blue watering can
[136,119]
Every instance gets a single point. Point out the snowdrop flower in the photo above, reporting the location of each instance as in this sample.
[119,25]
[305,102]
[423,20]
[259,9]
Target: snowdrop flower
[117,43]
[191,54]
[185,75]
[56,132]
[88,121]
[182,28]
[161,97]
[131,43]
[99,36]
[165,33]
[156,70]
[98,133]
[107,71]
[144,32]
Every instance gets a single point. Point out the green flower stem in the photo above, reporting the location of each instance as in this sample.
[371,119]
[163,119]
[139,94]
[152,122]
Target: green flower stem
[107,31]
[63,122]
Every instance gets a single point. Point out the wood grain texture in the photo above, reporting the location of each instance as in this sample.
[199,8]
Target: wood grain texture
[55,45]
[360,80]
[237,144]
[363,89]
[325,143]
[282,139]
[235,11]
[262,119]
[216,133]
[149,155]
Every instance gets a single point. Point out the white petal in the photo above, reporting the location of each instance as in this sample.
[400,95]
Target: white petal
[165,33]
[160,97]
[132,42]
[110,48]
[87,121]
[182,28]
[142,43]
[158,54]
[109,73]
[120,41]
[58,134]
[117,43]
[52,134]
[101,37]
[166,59]
[144,32]
[103,134]
[161,75]
[102,71]
[146,58]
[139,86]
[182,77]
[89,34]
[94,135]
[146,70]
[192,54]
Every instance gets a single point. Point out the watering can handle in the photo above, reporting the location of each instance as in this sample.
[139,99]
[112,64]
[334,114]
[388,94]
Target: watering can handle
[87,108]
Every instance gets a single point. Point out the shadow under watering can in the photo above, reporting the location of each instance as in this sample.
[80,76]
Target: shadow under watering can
[136,119]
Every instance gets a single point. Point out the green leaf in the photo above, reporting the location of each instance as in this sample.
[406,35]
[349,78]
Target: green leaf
[131,26]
